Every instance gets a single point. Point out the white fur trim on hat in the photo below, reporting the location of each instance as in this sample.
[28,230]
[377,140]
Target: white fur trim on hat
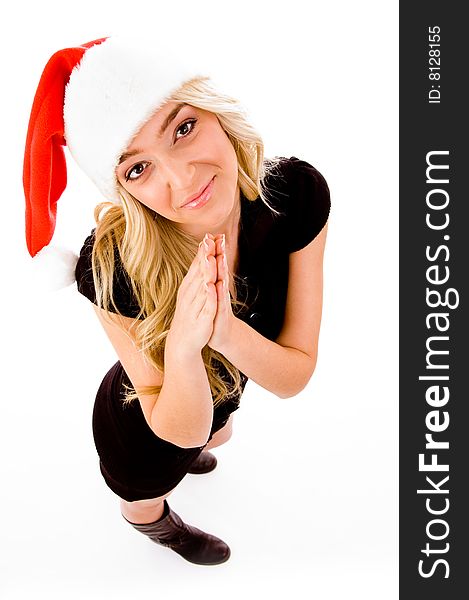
[53,268]
[118,85]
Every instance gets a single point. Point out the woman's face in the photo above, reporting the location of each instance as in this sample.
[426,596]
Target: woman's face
[178,153]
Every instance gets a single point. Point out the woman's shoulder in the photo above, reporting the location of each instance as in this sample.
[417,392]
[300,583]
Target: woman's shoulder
[300,192]
[84,271]
[123,296]
[292,174]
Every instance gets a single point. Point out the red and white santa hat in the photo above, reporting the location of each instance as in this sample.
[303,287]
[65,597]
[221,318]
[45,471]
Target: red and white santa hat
[93,98]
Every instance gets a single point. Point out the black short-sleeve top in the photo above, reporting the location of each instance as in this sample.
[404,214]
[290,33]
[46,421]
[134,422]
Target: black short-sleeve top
[300,194]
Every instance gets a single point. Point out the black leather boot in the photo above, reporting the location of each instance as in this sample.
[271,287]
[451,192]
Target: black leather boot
[204,463]
[191,543]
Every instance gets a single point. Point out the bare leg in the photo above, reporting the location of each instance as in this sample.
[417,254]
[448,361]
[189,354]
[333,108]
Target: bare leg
[221,436]
[143,511]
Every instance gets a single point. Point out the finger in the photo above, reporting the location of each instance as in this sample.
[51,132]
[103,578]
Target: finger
[222,267]
[200,298]
[210,274]
[221,295]
[197,260]
[208,249]
[208,308]
[218,248]
[220,243]
[194,296]
[197,272]
[203,267]
[204,250]
[194,274]
[206,275]
[210,244]
[225,276]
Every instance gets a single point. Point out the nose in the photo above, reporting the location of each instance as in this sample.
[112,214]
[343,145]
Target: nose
[179,176]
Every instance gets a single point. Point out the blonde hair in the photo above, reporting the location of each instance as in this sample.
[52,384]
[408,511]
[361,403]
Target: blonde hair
[156,254]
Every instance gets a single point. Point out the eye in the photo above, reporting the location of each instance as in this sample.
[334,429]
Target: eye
[136,171]
[187,127]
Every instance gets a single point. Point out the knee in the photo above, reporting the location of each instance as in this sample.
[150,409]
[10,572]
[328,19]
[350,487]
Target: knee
[140,504]
[221,436]
[143,511]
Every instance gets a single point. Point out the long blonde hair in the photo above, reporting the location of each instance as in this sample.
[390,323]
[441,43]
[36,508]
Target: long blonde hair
[156,254]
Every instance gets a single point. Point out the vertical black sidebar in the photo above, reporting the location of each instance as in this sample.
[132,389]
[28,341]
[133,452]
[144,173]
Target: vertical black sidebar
[434,272]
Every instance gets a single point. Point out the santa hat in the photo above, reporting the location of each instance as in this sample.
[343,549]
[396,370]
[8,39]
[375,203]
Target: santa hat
[94,98]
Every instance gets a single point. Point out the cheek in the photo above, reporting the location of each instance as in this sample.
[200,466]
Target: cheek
[152,197]
[219,143]
[230,160]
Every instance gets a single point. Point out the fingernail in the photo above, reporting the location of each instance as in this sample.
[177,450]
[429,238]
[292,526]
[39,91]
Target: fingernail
[223,242]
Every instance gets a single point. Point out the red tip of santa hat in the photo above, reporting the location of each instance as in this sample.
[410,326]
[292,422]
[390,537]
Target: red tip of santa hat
[44,168]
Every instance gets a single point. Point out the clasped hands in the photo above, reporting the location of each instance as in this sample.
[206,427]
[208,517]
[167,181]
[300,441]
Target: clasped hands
[218,278]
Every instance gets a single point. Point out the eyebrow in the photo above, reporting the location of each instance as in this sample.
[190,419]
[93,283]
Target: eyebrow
[172,115]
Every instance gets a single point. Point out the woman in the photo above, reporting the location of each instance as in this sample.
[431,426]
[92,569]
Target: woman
[205,267]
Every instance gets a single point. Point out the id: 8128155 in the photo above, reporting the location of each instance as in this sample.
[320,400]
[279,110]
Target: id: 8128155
[434,64]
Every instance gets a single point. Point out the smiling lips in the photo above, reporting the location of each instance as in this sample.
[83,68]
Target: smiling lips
[202,198]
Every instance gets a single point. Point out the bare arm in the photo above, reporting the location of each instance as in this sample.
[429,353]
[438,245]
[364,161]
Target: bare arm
[281,370]
[285,366]
[184,410]
[182,413]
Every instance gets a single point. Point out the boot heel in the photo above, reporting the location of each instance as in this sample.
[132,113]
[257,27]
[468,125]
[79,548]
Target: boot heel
[191,543]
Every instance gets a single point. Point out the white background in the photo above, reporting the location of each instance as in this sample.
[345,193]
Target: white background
[305,492]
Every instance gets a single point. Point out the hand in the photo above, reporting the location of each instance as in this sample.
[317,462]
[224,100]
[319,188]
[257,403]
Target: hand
[224,318]
[196,302]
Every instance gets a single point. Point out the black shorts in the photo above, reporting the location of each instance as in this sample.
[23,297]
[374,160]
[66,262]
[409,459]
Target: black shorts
[135,463]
